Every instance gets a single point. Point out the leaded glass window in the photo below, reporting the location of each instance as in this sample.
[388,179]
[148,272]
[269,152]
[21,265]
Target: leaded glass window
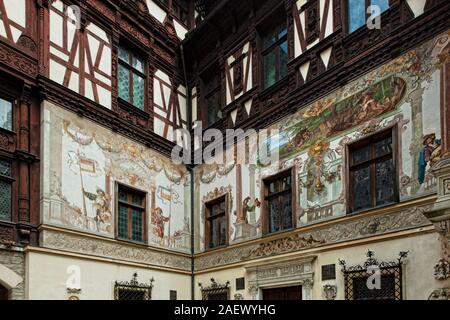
[278,198]
[131,78]
[211,85]
[372,180]
[275,54]
[6,109]
[5,190]
[358,12]
[131,215]
[216,223]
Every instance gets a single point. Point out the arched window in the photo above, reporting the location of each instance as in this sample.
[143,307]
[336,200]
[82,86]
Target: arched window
[4,294]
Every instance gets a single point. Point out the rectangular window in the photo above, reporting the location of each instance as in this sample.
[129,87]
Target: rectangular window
[6,110]
[278,202]
[131,78]
[372,172]
[358,12]
[211,85]
[131,215]
[5,190]
[275,54]
[216,223]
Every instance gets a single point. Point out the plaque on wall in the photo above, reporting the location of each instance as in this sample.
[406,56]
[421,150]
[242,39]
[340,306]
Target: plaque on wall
[240,283]
[329,272]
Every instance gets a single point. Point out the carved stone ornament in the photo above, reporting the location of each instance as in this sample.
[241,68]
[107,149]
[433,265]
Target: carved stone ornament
[440,294]
[330,291]
[442,270]
[238,296]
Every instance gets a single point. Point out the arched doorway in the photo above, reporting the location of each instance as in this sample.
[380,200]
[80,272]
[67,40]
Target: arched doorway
[4,293]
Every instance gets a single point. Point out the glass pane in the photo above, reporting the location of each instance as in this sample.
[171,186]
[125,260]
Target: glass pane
[286,183]
[214,113]
[137,225]
[124,83]
[360,155]
[361,189]
[356,14]
[385,187]
[283,59]
[123,222]
[287,211]
[269,39]
[5,201]
[123,196]
[383,147]
[273,187]
[123,55]
[222,206]
[270,69]
[138,91]
[274,216]
[223,231]
[137,200]
[383,4]
[5,114]
[138,64]
[213,233]
[5,168]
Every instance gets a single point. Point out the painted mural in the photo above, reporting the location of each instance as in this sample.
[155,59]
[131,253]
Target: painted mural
[85,163]
[403,93]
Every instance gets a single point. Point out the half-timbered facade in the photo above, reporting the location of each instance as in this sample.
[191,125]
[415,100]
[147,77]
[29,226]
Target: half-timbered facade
[354,93]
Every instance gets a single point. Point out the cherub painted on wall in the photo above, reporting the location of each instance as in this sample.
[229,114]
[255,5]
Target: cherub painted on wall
[430,154]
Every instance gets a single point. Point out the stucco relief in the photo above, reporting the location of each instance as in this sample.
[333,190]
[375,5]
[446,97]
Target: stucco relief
[104,248]
[341,232]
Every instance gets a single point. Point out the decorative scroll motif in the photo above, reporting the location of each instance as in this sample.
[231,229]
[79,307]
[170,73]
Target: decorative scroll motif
[283,245]
[366,227]
[105,248]
[356,273]
[133,290]
[209,173]
[11,58]
[215,291]
[440,294]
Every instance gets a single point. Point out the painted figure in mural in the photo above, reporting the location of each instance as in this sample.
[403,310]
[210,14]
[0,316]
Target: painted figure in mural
[430,154]
[101,206]
[249,207]
[159,221]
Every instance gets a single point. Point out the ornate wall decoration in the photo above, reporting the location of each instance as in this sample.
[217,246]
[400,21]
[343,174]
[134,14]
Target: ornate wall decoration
[104,248]
[339,232]
[292,271]
[330,291]
[442,270]
[17,61]
[280,246]
[133,289]
[440,294]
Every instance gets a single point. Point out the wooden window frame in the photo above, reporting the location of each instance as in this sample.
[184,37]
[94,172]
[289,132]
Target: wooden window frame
[371,140]
[208,218]
[131,70]
[265,195]
[274,46]
[131,191]
[217,90]
[345,6]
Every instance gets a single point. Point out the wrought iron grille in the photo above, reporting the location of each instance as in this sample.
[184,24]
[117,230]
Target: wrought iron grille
[355,279]
[133,290]
[216,291]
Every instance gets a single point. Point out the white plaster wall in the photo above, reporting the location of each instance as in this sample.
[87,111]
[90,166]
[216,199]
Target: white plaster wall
[47,276]
[418,279]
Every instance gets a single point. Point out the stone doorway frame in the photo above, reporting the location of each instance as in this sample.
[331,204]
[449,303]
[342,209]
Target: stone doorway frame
[281,273]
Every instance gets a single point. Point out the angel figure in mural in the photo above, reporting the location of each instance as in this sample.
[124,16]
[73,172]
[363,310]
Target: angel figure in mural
[101,206]
[430,154]
[159,221]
